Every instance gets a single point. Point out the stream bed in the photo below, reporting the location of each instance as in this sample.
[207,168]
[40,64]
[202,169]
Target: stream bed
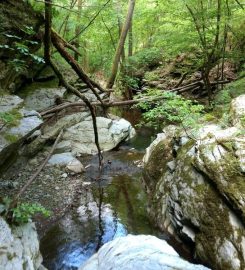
[114,206]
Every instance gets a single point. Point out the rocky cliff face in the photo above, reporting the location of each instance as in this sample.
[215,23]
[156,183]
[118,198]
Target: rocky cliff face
[19,247]
[196,188]
[19,25]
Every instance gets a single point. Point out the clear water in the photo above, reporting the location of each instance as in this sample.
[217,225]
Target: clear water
[112,207]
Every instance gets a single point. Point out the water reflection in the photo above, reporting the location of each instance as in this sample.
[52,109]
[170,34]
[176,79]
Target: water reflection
[108,209]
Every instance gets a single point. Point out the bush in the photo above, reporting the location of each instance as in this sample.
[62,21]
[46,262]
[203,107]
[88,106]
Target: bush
[143,60]
[22,213]
[170,109]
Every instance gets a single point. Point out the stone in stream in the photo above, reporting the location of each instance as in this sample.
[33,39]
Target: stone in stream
[197,188]
[138,252]
[67,160]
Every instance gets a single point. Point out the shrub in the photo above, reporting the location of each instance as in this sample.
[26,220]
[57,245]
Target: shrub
[22,213]
[170,109]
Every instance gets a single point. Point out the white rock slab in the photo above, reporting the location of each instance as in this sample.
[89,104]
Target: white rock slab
[138,252]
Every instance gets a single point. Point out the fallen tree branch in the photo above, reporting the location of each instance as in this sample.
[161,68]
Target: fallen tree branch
[34,176]
[86,102]
[52,36]
[195,84]
[63,106]
[67,44]
[181,80]
[60,46]
[107,105]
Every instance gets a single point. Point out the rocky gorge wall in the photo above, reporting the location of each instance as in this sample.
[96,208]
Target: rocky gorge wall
[196,188]
[19,38]
[19,247]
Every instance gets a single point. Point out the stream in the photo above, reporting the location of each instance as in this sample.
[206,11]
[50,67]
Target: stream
[112,207]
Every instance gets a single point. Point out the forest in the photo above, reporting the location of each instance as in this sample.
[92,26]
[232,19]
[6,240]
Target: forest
[122,119]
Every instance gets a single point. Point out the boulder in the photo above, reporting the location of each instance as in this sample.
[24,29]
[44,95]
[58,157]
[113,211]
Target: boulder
[138,252]
[110,132]
[238,110]
[88,94]
[196,189]
[25,123]
[43,98]
[67,160]
[19,247]
[50,132]
[9,103]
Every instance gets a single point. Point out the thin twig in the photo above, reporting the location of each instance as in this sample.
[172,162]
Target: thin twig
[34,176]
[93,19]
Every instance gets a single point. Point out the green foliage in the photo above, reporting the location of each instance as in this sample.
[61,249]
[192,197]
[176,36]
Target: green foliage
[243,121]
[11,137]
[225,120]
[231,91]
[135,66]
[131,82]
[23,213]
[151,76]
[170,109]
[10,118]
[22,50]
[145,59]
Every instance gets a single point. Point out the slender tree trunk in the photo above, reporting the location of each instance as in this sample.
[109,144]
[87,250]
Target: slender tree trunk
[130,40]
[120,26]
[85,56]
[47,36]
[78,28]
[51,35]
[121,44]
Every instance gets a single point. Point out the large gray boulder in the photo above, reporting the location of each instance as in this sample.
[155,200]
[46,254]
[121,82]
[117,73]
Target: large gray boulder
[43,98]
[50,132]
[197,191]
[110,132]
[13,134]
[138,252]
[19,247]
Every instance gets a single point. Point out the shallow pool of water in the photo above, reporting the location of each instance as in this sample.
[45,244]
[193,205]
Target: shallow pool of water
[112,207]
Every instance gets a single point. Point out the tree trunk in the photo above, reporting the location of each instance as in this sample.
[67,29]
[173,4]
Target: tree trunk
[120,26]
[130,40]
[78,28]
[47,36]
[59,44]
[121,44]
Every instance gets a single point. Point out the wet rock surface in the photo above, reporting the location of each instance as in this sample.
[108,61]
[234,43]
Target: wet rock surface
[19,247]
[197,190]
[138,252]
